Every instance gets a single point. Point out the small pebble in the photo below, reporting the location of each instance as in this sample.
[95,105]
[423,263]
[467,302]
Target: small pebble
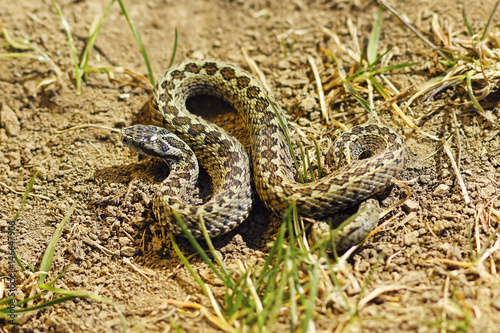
[283,64]
[124,241]
[198,55]
[425,179]
[411,206]
[441,190]
[9,121]
[127,251]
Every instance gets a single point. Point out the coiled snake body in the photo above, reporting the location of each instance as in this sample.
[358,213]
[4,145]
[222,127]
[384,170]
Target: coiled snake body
[377,154]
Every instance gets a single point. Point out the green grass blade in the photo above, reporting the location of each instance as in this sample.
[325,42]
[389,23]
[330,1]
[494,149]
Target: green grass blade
[273,300]
[237,298]
[318,157]
[139,41]
[287,136]
[188,266]
[372,49]
[197,246]
[60,275]
[466,22]
[70,295]
[363,72]
[351,90]
[471,93]
[65,24]
[359,74]
[292,291]
[45,304]
[310,305]
[392,68]
[92,38]
[21,303]
[378,87]
[304,164]
[16,217]
[490,19]
[25,196]
[279,277]
[49,252]
[23,45]
[21,55]
[296,231]
[276,250]
[309,166]
[5,300]
[174,50]
[227,278]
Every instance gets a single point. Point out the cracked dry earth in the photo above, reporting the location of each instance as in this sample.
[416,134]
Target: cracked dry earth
[431,278]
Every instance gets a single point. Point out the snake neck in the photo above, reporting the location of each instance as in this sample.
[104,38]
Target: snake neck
[181,181]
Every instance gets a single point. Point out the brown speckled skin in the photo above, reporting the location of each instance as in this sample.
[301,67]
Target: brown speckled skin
[274,175]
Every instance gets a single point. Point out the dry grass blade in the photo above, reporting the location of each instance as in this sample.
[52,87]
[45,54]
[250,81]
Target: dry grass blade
[444,301]
[468,59]
[414,30]
[138,270]
[377,292]
[319,86]
[255,68]
[217,310]
[29,194]
[87,126]
[489,252]
[460,180]
[213,319]
[401,201]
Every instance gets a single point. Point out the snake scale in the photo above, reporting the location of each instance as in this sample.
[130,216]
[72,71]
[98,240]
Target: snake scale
[377,154]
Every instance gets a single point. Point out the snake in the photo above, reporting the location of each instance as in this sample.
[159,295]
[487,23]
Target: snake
[367,157]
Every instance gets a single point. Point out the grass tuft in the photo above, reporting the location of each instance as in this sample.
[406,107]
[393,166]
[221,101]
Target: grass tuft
[39,55]
[43,287]
[470,61]
[367,71]
[286,287]
[67,29]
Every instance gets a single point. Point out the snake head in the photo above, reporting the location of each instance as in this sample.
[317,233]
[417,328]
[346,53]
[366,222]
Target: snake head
[156,142]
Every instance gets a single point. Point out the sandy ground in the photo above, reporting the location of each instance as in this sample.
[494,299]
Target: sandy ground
[429,270]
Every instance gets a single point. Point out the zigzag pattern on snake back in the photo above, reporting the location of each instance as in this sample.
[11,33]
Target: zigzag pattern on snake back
[378,154]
